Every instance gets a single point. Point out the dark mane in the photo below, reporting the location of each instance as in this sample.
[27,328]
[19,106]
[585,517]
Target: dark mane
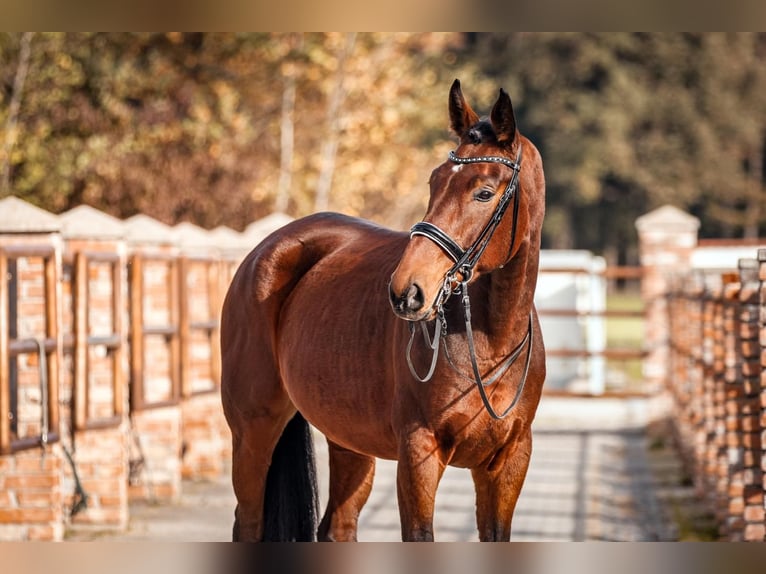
[481,132]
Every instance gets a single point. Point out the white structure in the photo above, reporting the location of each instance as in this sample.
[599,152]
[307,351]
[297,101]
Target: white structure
[571,298]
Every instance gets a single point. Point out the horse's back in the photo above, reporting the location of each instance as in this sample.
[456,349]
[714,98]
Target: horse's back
[270,271]
[265,285]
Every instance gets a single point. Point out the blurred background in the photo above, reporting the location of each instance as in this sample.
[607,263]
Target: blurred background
[226,128]
[658,133]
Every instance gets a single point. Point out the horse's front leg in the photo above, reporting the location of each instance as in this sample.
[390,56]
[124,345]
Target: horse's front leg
[417,477]
[498,485]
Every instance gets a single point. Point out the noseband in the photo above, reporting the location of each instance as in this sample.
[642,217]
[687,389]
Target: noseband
[465,263]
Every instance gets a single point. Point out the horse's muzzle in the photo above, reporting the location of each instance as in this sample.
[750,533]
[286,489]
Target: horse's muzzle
[409,303]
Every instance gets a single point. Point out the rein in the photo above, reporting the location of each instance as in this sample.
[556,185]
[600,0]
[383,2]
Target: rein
[465,262]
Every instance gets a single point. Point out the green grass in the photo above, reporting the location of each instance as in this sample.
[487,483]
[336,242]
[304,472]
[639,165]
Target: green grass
[625,333]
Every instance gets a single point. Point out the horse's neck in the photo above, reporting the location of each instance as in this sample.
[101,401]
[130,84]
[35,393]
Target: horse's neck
[511,296]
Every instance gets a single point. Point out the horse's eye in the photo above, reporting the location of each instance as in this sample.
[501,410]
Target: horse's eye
[484,195]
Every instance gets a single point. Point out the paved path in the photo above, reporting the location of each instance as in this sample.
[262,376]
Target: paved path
[589,479]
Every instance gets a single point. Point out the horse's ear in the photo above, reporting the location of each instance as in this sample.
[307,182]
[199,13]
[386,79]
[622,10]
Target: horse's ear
[461,116]
[503,119]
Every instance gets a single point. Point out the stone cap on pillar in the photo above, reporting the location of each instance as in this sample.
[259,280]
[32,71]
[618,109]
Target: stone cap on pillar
[258,230]
[19,216]
[194,239]
[144,230]
[668,218]
[230,241]
[86,222]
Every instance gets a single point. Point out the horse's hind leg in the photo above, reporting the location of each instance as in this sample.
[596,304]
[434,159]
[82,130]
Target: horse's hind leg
[253,443]
[257,410]
[351,476]
[498,486]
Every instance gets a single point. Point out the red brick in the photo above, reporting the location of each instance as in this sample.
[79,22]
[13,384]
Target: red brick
[112,501]
[752,475]
[45,533]
[751,368]
[751,423]
[748,331]
[100,516]
[754,513]
[37,464]
[753,494]
[751,349]
[755,532]
[30,481]
[752,385]
[97,486]
[27,515]
[39,499]
[751,440]
[5,498]
[732,424]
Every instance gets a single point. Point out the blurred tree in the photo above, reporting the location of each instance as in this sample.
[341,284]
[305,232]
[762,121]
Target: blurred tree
[221,128]
[629,121]
[11,120]
[731,97]
[135,122]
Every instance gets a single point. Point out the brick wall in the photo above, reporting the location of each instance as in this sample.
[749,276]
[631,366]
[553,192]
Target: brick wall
[204,442]
[94,380]
[154,332]
[30,357]
[716,361]
[31,502]
[706,344]
[129,325]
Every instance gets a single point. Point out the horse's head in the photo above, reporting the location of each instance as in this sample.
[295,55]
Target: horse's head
[486,202]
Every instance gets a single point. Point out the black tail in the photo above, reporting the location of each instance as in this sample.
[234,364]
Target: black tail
[291,505]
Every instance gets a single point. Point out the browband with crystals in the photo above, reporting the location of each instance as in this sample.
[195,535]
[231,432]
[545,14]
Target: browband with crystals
[514,165]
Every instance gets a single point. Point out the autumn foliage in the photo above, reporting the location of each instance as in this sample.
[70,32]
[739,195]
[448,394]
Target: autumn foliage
[225,128]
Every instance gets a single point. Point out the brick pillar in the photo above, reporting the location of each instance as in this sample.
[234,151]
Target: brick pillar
[155,388]
[31,459]
[695,327]
[733,525]
[95,377]
[718,368]
[709,452]
[750,407]
[667,237]
[683,334]
[232,248]
[204,441]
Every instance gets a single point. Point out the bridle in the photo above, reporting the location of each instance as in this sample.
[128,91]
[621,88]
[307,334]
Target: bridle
[465,261]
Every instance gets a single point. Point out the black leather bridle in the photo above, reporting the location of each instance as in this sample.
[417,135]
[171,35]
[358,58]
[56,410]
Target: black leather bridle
[465,261]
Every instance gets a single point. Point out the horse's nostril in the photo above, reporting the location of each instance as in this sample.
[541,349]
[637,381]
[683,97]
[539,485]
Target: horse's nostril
[393,297]
[413,298]
[409,300]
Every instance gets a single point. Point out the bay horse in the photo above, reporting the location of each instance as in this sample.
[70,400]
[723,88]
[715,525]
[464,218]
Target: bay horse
[398,346]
